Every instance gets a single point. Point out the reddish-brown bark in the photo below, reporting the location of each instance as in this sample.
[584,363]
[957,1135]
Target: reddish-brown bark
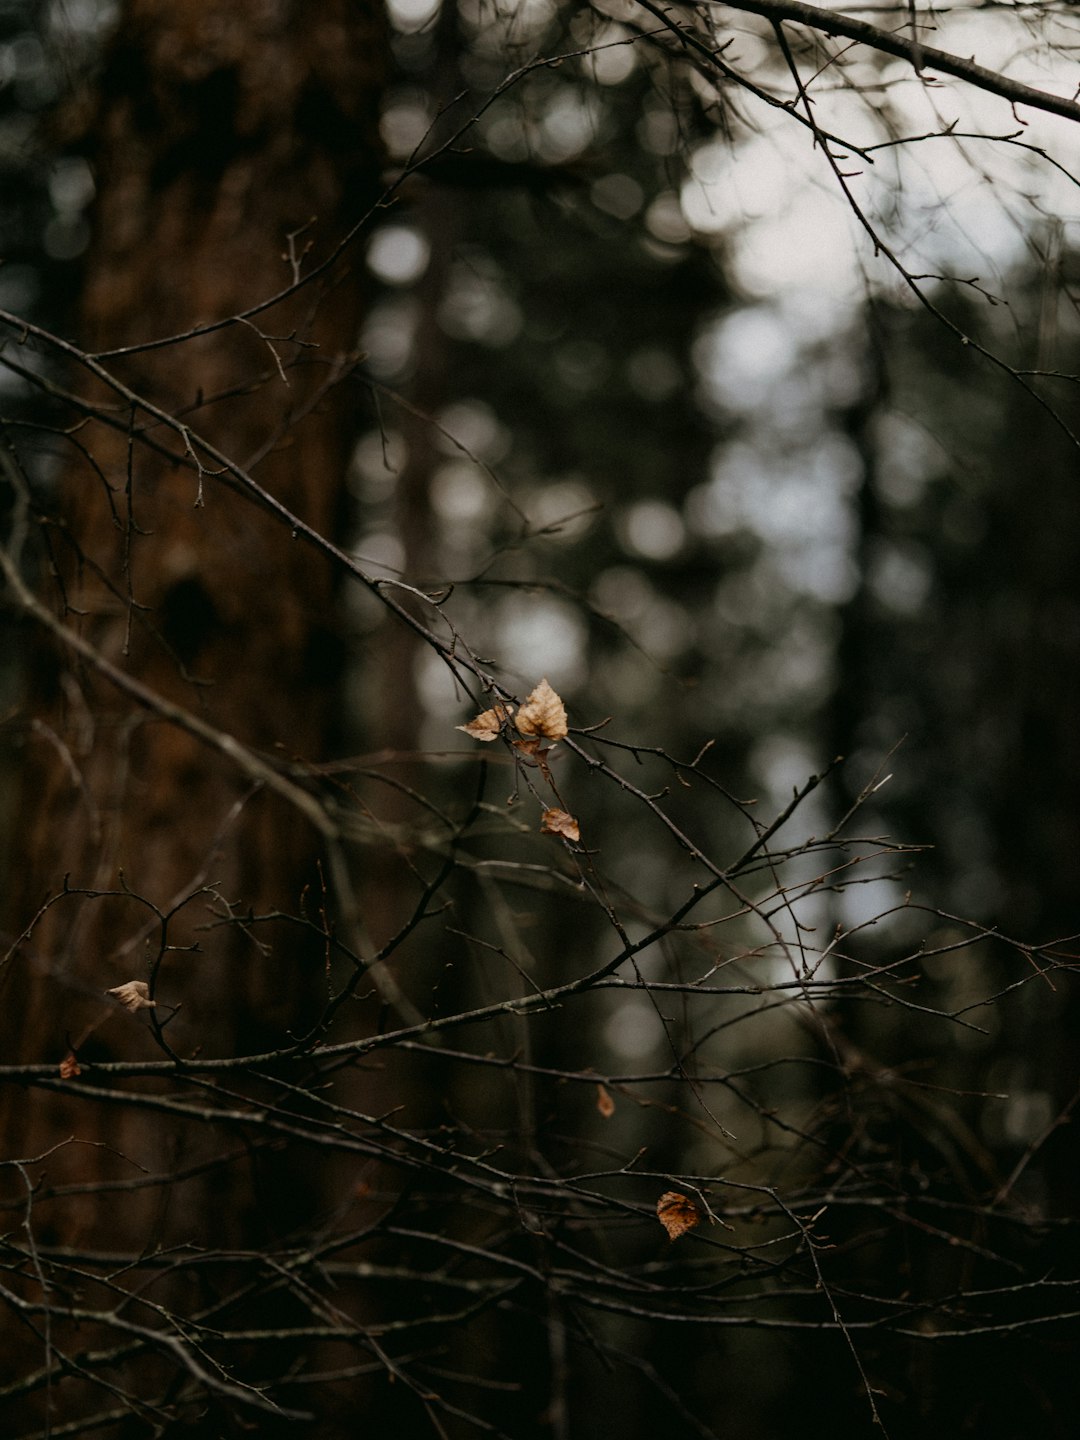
[222,128]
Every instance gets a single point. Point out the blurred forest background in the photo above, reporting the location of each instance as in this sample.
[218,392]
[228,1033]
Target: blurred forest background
[744,411]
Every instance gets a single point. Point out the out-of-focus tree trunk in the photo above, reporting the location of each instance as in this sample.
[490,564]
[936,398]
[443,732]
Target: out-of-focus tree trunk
[228,135]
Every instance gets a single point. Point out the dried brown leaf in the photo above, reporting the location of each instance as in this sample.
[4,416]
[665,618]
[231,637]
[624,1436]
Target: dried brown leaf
[133,995]
[604,1103]
[487,724]
[530,747]
[676,1213]
[542,714]
[69,1066]
[558,822]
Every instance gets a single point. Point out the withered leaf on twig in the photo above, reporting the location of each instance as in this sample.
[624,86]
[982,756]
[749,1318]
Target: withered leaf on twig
[604,1103]
[558,822]
[487,724]
[134,995]
[69,1066]
[542,714]
[676,1213]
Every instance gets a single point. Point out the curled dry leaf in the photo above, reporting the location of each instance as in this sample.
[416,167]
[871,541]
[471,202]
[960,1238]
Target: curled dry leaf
[604,1103]
[676,1213]
[487,724]
[558,822]
[134,995]
[69,1066]
[542,714]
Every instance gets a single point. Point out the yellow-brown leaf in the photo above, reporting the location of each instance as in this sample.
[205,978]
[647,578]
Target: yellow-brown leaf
[69,1066]
[558,822]
[542,714]
[529,747]
[133,995]
[604,1103]
[487,724]
[676,1213]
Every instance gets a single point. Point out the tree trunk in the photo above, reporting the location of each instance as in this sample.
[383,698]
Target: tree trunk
[232,138]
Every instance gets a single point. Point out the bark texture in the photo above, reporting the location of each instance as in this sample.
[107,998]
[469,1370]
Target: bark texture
[228,135]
